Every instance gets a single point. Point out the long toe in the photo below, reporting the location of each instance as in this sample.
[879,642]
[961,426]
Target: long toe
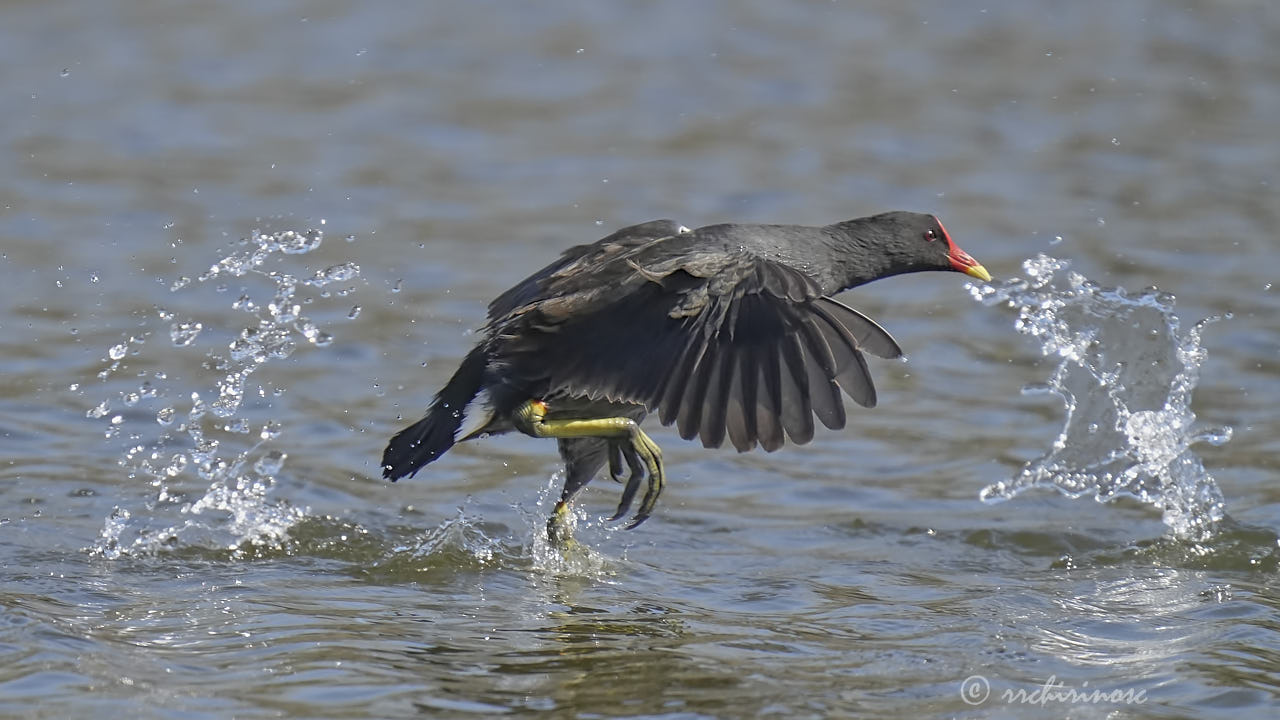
[633,482]
[616,469]
[652,456]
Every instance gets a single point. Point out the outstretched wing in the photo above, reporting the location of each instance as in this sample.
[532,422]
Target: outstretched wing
[721,344]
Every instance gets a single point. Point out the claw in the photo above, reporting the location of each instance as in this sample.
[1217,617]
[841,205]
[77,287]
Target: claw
[633,482]
[649,451]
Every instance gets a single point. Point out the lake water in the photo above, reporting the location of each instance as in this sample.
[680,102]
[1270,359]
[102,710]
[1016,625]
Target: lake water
[242,246]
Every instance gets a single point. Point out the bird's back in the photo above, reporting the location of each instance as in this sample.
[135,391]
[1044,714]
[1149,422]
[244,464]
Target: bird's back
[588,277]
[584,266]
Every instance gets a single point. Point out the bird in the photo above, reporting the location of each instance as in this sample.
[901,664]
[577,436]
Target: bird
[728,331]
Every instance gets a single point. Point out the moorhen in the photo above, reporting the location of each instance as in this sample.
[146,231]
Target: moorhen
[727,331]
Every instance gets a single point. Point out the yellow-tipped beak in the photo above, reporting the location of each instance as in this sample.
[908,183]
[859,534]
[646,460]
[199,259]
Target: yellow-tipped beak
[962,261]
[979,272]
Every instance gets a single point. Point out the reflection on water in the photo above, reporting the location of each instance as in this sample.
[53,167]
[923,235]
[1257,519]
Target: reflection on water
[1125,374]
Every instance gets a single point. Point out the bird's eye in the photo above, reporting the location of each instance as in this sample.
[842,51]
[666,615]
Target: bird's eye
[930,235]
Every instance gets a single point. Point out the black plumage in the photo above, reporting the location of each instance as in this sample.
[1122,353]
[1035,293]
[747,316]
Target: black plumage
[728,331]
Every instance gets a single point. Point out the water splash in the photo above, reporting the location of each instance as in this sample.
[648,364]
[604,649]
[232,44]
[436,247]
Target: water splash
[208,432]
[579,559]
[1126,372]
[462,543]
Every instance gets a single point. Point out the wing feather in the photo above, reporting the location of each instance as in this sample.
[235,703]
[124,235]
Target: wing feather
[715,406]
[866,333]
[823,390]
[740,410]
[690,417]
[768,399]
[727,345]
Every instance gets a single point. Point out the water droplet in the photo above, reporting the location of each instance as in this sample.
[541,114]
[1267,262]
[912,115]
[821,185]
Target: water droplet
[241,348]
[1101,222]
[355,312]
[395,288]
[184,333]
[336,273]
[73,387]
[65,72]
[164,416]
[115,352]
[1115,141]
[270,431]
[284,312]
[270,464]
[99,410]
[176,465]
[292,243]
[1215,436]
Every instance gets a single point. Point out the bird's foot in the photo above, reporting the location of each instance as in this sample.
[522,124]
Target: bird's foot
[627,443]
[560,528]
[644,459]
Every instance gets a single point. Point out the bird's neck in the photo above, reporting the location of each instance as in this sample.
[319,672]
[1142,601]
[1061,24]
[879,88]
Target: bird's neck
[857,256]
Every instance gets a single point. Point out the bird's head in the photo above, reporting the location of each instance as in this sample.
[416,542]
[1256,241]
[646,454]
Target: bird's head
[901,242]
[938,240]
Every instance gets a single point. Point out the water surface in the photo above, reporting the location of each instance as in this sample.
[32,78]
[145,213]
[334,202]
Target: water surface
[426,159]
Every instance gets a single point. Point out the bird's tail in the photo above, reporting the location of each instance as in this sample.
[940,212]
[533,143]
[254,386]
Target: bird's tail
[433,435]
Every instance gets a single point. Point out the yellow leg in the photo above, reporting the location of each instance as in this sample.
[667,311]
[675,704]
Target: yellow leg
[639,449]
